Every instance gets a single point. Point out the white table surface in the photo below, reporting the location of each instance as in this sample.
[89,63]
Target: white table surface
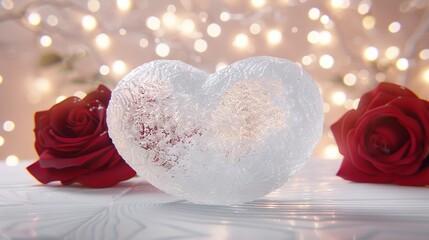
[314,204]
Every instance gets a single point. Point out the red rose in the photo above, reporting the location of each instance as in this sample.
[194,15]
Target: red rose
[74,146]
[386,139]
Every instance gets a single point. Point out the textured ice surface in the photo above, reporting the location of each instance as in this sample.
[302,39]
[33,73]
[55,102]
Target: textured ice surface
[222,138]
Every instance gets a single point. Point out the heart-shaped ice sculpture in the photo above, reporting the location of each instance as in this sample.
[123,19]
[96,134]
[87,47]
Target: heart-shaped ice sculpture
[222,138]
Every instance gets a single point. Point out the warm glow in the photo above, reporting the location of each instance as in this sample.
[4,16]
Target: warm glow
[326,61]
[225,17]
[391,52]
[52,20]
[370,53]
[200,45]
[153,23]
[350,79]
[326,107]
[187,26]
[356,103]
[93,5]
[119,67]
[7,4]
[325,19]
[143,42]
[12,160]
[313,37]
[331,152]
[169,20]
[102,40]
[363,8]
[325,37]
[171,8]
[104,70]
[306,60]
[60,99]
[241,40]
[1,141]
[394,27]
[1,79]
[123,5]
[426,75]
[214,30]
[122,31]
[34,18]
[402,64]
[255,28]
[80,94]
[45,41]
[424,54]
[221,66]
[89,23]
[314,13]
[8,126]
[274,37]
[339,98]
[42,85]
[368,22]
[340,4]
[380,77]
[258,3]
[162,50]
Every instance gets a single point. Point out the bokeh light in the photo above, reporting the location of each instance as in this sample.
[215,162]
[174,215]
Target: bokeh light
[123,5]
[214,30]
[370,53]
[241,40]
[326,61]
[119,67]
[12,160]
[153,23]
[8,126]
[102,40]
[89,23]
[402,64]
[274,37]
[347,46]
[34,18]
[45,41]
[162,50]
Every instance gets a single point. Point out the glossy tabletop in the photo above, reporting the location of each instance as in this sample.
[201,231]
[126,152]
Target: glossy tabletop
[314,204]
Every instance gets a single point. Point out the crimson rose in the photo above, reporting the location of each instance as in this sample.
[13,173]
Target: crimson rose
[386,139]
[73,144]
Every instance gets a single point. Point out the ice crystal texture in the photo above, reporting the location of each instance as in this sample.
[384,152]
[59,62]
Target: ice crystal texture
[223,138]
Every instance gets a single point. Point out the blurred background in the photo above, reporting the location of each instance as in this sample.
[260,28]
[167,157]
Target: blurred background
[51,49]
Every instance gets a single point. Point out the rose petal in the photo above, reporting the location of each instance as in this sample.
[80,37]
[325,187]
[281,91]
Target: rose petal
[50,159]
[356,156]
[102,95]
[349,172]
[380,100]
[82,121]
[59,114]
[341,128]
[386,89]
[41,120]
[421,178]
[46,175]
[107,177]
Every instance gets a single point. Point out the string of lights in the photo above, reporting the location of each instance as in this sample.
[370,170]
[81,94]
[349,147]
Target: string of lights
[347,46]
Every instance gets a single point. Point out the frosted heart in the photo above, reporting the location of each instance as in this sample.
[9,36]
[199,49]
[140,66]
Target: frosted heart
[222,138]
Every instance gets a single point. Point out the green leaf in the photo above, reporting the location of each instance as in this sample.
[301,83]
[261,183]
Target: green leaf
[79,80]
[49,59]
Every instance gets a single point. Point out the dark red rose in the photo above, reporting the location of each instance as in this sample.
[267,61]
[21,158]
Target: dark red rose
[73,144]
[386,139]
